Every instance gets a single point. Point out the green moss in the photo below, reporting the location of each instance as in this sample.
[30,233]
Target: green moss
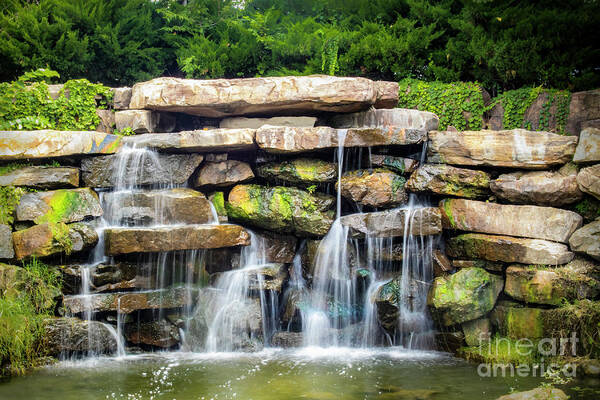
[395,163]
[5,169]
[60,237]
[9,199]
[218,200]
[447,207]
[62,204]
[502,350]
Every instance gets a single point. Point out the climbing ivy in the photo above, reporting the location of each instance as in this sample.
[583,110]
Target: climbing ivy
[25,104]
[9,199]
[458,104]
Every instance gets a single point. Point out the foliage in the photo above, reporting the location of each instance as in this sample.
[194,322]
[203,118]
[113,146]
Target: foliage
[127,131]
[23,309]
[9,199]
[458,104]
[26,104]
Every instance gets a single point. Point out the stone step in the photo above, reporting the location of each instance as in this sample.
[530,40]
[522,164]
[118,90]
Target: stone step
[152,207]
[282,140]
[129,302]
[399,117]
[292,95]
[42,177]
[303,171]
[447,180]
[223,174]
[424,221]
[21,145]
[500,219]
[508,249]
[517,148]
[170,238]
[63,205]
[374,187]
[255,123]
[213,140]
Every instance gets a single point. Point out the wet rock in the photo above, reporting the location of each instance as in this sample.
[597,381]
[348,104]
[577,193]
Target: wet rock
[541,393]
[21,145]
[102,277]
[423,221]
[588,148]
[375,188]
[292,95]
[501,219]
[63,205]
[255,123]
[448,180]
[387,300]
[469,294]
[179,205]
[588,180]
[277,139]
[72,335]
[278,248]
[41,177]
[477,331]
[485,264]
[449,341]
[586,240]
[6,243]
[99,172]
[441,263]
[287,339]
[53,238]
[127,303]
[218,201]
[400,117]
[198,141]
[186,237]
[294,300]
[508,249]
[516,321]
[540,284]
[304,171]
[159,333]
[224,173]
[515,148]
[399,165]
[539,187]
[283,209]
[121,98]
[267,277]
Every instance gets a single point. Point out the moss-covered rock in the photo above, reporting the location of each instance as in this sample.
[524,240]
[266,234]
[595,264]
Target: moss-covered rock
[516,321]
[469,294]
[218,202]
[376,188]
[53,238]
[448,180]
[477,331]
[283,209]
[64,205]
[541,393]
[6,243]
[400,165]
[304,171]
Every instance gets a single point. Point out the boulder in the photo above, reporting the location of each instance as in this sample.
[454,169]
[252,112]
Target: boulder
[516,148]
[423,221]
[588,180]
[387,299]
[282,209]
[375,188]
[588,148]
[100,172]
[584,108]
[218,201]
[255,123]
[586,240]
[127,303]
[448,180]
[399,117]
[223,173]
[22,145]
[41,177]
[492,266]
[102,277]
[303,171]
[287,339]
[291,95]
[107,121]
[541,393]
[267,277]
[199,141]
[540,284]
[73,335]
[282,140]
[516,321]
[544,188]
[140,121]
[277,248]
[466,295]
[508,249]
[163,207]
[399,165]
[387,94]
[63,205]
[121,98]
[159,333]
[53,238]
[477,331]
[501,219]
[7,251]
[177,237]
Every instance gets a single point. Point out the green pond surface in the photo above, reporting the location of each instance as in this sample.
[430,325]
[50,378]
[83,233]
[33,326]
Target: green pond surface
[318,374]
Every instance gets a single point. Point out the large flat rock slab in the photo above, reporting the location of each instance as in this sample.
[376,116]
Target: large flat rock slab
[223,174]
[292,95]
[500,219]
[63,205]
[588,180]
[517,148]
[391,223]
[20,145]
[508,249]
[198,141]
[127,303]
[447,180]
[399,117]
[588,148]
[177,237]
[279,139]
[301,171]
[255,123]
[42,177]
[165,169]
